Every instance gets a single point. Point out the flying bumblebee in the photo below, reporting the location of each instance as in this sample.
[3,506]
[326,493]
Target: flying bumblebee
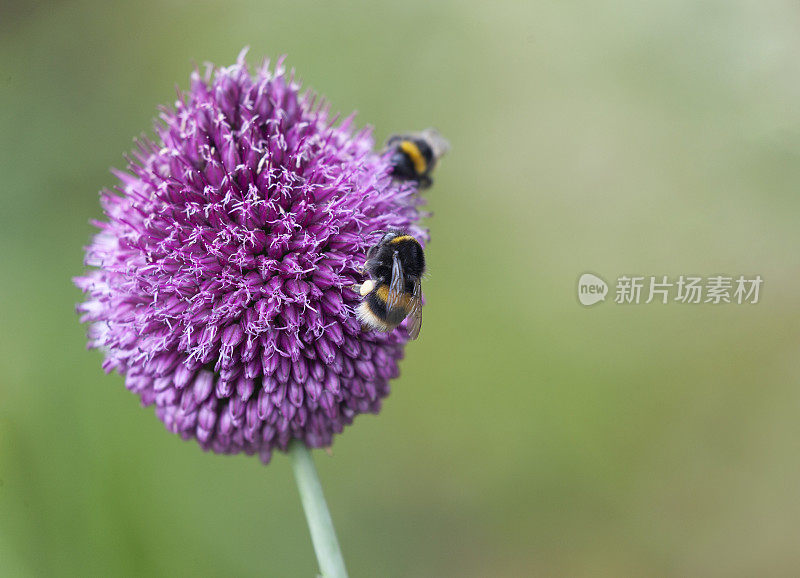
[415,154]
[394,290]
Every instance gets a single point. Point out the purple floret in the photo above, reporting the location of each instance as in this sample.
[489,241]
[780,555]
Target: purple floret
[220,276]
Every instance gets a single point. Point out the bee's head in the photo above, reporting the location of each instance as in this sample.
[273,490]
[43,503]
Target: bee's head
[389,235]
[394,140]
[386,236]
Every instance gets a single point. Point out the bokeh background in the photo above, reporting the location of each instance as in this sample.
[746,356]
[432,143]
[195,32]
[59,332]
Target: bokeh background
[527,435]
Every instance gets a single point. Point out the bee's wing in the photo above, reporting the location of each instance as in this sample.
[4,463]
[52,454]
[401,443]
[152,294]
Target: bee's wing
[396,285]
[437,142]
[415,311]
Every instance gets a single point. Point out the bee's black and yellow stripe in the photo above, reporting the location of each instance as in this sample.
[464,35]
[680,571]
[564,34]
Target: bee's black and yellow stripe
[411,256]
[374,312]
[402,239]
[414,154]
[413,159]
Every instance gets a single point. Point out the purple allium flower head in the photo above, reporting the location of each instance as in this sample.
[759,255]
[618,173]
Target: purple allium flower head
[221,273]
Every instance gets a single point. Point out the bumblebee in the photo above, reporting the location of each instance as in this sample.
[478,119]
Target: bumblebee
[415,154]
[394,290]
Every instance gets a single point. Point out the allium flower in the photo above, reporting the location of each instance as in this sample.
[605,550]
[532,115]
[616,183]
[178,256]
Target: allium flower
[222,268]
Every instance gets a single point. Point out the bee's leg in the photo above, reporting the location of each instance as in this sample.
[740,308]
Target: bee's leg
[362,288]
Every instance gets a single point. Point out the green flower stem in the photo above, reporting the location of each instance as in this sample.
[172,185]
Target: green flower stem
[326,546]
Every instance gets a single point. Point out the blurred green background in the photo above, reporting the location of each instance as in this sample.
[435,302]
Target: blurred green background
[528,435]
